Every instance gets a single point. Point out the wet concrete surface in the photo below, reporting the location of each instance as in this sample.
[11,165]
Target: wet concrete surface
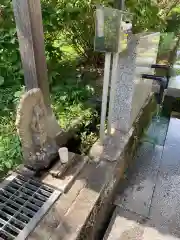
[149,207]
[156,132]
[137,196]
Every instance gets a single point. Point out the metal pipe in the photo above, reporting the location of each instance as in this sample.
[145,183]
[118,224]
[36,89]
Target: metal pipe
[162,81]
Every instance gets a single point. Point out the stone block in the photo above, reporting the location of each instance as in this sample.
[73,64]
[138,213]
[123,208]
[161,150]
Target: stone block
[58,168]
[131,91]
[131,226]
[38,146]
[64,179]
[111,147]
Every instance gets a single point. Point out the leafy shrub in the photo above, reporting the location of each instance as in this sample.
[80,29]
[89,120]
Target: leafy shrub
[166,42]
[10,151]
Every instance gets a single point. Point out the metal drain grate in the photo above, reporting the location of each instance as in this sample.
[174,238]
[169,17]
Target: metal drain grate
[23,202]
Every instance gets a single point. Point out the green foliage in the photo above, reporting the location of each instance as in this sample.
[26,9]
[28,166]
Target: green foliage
[90,131]
[69,97]
[10,153]
[10,65]
[146,15]
[173,22]
[74,20]
[166,42]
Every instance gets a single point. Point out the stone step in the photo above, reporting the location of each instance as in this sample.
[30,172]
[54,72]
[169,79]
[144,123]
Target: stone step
[127,225]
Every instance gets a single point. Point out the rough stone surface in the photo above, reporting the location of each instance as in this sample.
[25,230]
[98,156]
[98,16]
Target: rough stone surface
[122,228]
[21,169]
[112,146]
[58,169]
[37,146]
[66,178]
[131,90]
[127,225]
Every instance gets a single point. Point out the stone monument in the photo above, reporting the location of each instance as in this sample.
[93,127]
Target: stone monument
[38,147]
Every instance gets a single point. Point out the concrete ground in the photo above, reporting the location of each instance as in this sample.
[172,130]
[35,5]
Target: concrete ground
[149,207]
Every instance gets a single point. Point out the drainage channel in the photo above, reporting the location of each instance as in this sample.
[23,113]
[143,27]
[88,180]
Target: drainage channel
[23,202]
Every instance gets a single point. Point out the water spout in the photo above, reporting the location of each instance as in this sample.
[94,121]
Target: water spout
[163,82]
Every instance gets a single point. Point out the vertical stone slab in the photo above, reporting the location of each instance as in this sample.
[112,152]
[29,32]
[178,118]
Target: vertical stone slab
[131,91]
[38,147]
[147,50]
